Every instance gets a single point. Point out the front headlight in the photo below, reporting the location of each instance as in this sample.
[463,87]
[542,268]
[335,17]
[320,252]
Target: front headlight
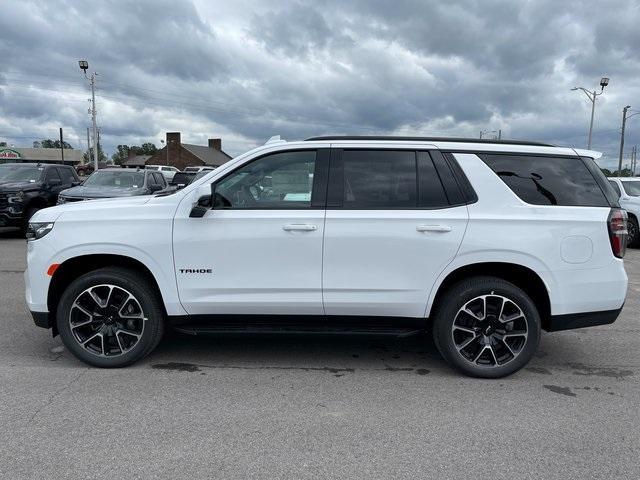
[38,230]
[16,197]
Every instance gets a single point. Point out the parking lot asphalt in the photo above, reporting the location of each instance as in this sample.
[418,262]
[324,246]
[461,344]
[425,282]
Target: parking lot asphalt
[315,406]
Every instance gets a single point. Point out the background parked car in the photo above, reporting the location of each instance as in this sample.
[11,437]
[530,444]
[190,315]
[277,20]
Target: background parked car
[115,182]
[87,169]
[198,169]
[628,190]
[166,170]
[25,188]
[182,179]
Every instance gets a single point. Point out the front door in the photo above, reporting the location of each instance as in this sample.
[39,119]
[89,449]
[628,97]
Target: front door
[259,251]
[390,230]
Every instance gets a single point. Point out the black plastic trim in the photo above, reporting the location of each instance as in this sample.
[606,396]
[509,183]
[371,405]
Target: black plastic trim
[201,324]
[428,139]
[466,188]
[582,320]
[41,319]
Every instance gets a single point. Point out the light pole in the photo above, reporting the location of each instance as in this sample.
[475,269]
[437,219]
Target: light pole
[84,65]
[624,124]
[604,81]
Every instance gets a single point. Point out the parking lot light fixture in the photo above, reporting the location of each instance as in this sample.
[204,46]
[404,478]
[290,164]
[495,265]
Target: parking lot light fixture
[604,81]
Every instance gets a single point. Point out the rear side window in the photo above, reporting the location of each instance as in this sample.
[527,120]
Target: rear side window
[615,187]
[379,179]
[539,180]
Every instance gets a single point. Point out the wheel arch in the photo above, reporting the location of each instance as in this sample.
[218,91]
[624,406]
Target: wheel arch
[523,277]
[75,267]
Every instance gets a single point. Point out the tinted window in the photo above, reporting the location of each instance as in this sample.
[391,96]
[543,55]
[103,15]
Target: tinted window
[632,188]
[548,180]
[160,180]
[615,186]
[430,191]
[281,180]
[379,179]
[67,175]
[51,174]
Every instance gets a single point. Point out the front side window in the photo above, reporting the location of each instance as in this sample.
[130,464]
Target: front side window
[52,175]
[379,179]
[541,180]
[632,188]
[281,180]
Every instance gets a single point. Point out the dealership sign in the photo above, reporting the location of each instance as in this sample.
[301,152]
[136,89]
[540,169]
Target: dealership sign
[8,153]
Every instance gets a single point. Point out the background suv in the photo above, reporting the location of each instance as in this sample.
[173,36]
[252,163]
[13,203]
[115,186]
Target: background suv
[26,188]
[115,182]
[628,192]
[483,243]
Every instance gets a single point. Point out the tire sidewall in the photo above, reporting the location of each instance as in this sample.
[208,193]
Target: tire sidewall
[128,281]
[466,291]
[632,240]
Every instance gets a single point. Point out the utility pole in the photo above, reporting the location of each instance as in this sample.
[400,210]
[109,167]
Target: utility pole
[61,146]
[84,65]
[88,148]
[604,81]
[624,123]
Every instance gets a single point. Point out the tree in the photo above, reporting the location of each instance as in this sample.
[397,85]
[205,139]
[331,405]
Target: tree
[606,171]
[3,144]
[122,152]
[626,172]
[88,156]
[48,143]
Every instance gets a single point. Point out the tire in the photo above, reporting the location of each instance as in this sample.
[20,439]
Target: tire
[115,306]
[633,237]
[488,347]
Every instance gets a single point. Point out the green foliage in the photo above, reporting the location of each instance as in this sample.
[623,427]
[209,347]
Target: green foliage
[3,144]
[48,143]
[625,172]
[122,152]
[88,156]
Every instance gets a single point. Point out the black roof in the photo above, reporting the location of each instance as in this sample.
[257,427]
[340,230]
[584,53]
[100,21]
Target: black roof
[430,139]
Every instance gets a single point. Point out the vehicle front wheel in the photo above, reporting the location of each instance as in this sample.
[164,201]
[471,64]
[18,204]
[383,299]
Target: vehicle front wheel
[110,317]
[486,327]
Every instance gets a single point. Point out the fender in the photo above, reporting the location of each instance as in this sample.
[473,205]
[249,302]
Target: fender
[494,256]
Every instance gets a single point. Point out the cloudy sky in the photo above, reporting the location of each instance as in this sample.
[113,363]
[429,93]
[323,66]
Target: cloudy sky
[244,70]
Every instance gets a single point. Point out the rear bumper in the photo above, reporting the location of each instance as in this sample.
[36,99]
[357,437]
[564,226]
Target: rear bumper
[581,320]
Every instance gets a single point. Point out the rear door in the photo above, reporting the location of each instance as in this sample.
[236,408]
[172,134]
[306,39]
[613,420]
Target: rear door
[390,229]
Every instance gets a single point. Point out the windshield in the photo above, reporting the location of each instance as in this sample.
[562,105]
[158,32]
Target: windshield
[115,179]
[20,173]
[632,188]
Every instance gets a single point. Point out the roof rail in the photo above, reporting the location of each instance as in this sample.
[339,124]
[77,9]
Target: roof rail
[429,139]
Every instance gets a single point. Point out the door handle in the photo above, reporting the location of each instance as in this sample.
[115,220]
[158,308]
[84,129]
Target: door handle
[433,228]
[303,227]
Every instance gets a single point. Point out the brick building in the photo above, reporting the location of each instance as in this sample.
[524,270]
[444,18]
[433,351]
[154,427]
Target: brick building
[182,155]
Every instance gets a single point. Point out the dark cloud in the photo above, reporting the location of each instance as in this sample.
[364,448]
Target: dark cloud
[246,70]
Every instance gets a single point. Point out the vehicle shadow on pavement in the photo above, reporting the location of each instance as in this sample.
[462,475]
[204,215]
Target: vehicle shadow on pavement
[334,353]
[6,232]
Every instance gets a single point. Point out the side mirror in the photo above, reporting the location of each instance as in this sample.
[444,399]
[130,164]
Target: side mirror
[202,207]
[53,182]
[75,184]
[154,188]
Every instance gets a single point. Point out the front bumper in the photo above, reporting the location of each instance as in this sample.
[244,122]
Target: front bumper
[11,216]
[581,320]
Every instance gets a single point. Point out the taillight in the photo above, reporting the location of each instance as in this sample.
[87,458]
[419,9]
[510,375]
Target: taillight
[617,223]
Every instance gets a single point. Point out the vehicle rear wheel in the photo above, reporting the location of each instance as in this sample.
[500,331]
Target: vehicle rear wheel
[633,239]
[486,327]
[110,317]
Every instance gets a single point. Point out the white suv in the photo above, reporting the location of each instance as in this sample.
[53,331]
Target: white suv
[485,243]
[628,192]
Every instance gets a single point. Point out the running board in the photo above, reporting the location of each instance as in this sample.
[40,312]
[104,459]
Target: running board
[293,325]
